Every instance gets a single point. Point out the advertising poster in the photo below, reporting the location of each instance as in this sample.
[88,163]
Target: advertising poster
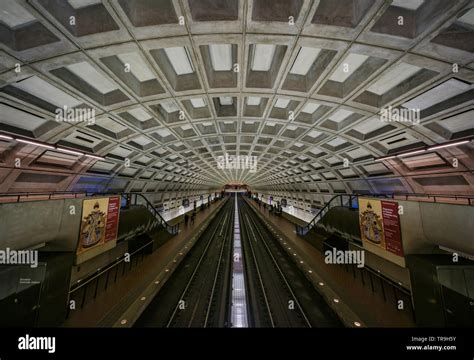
[391,227]
[99,223]
[371,222]
[380,225]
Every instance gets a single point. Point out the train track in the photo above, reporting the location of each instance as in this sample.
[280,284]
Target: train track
[197,295]
[199,292]
[279,294]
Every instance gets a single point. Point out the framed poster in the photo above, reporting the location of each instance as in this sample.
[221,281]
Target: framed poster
[371,222]
[99,225]
[380,227]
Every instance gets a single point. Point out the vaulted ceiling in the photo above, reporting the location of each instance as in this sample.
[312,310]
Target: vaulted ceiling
[174,84]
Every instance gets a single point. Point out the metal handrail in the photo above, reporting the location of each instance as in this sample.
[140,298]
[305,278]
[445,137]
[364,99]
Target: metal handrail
[49,194]
[469,198]
[338,200]
[131,197]
[83,282]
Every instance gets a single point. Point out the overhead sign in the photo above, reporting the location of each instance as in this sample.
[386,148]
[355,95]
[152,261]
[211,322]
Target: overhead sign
[380,225]
[99,226]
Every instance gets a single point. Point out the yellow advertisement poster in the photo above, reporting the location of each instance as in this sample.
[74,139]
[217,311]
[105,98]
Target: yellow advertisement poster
[380,229]
[371,222]
[99,223]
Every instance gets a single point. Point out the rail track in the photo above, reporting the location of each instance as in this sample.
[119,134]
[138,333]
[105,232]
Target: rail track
[197,295]
[279,294]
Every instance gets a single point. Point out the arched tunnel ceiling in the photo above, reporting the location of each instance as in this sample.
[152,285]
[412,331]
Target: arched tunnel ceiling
[177,83]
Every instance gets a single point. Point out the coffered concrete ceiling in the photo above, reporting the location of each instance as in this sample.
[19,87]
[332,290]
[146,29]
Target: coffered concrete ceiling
[177,83]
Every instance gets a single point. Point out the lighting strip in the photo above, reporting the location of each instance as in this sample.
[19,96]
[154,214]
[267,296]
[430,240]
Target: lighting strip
[448,145]
[412,153]
[429,148]
[94,157]
[385,158]
[70,151]
[51,147]
[35,143]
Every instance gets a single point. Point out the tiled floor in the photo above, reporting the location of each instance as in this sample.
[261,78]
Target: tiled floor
[95,310]
[369,306]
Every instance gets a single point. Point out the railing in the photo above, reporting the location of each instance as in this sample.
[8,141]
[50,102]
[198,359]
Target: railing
[437,198]
[25,196]
[94,278]
[345,200]
[351,201]
[131,199]
[140,199]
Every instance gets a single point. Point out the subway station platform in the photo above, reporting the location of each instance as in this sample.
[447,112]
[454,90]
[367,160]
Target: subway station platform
[109,303]
[357,290]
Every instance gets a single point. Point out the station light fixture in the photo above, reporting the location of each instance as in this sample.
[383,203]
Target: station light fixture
[95,157]
[436,147]
[412,153]
[50,147]
[29,142]
[67,151]
[425,149]
[386,158]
